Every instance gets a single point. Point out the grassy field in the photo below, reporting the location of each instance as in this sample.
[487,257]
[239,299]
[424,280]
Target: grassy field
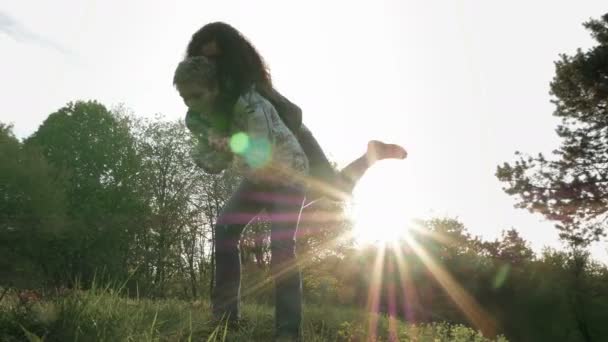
[104,315]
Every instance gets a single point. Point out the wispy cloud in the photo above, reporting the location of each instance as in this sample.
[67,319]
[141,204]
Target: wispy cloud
[13,28]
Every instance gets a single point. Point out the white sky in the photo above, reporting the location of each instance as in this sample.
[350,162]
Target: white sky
[461,84]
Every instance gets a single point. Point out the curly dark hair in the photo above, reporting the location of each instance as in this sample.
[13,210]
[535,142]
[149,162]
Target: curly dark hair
[240,65]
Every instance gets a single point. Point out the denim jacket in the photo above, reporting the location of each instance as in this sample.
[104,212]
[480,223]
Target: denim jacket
[262,147]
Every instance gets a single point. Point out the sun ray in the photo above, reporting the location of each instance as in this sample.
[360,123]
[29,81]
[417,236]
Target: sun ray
[303,260]
[373,297]
[467,304]
[410,299]
[381,208]
[393,322]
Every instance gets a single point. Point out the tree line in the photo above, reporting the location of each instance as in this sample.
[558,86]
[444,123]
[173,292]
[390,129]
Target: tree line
[100,195]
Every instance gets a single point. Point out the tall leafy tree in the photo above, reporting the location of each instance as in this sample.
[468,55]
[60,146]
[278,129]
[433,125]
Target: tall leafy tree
[32,214]
[95,152]
[572,188]
[173,241]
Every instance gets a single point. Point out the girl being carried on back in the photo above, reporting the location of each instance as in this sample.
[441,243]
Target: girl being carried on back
[248,133]
[239,67]
[240,120]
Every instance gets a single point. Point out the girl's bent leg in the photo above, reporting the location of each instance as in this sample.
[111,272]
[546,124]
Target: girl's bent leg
[323,175]
[326,181]
[376,150]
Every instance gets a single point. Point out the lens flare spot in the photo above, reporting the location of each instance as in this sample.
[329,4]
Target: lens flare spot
[501,276]
[239,142]
[258,152]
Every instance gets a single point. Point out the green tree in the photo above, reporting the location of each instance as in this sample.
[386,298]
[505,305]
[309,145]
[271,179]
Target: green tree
[572,188]
[32,214]
[512,249]
[95,152]
[172,245]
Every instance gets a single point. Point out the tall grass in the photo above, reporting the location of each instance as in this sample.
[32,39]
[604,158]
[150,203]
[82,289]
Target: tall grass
[102,314]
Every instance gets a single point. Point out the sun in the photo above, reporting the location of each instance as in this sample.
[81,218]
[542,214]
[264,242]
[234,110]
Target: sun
[381,209]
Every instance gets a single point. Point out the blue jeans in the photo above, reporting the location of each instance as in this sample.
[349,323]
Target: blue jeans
[283,205]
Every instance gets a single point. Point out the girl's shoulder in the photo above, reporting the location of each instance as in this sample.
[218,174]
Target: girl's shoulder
[253,98]
[252,102]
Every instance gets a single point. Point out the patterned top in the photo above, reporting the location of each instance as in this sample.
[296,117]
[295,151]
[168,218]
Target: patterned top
[262,148]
